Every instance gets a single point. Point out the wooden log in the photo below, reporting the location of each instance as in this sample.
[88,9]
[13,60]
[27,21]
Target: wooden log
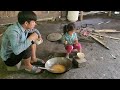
[99,41]
[45,19]
[6,24]
[106,30]
[109,13]
[106,36]
[81,15]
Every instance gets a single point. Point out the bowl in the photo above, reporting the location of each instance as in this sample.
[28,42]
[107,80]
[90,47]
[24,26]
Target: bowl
[38,42]
[80,55]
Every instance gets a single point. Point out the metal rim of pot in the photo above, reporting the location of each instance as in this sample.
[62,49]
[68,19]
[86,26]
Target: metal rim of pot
[69,62]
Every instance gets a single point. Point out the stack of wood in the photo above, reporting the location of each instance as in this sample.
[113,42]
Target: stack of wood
[98,34]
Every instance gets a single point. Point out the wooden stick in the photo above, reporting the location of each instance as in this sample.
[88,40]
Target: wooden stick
[109,13]
[99,41]
[5,24]
[81,15]
[106,30]
[45,19]
[106,36]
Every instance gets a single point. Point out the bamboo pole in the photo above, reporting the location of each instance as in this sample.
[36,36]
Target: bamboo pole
[81,15]
[109,13]
[106,30]
[106,36]
[99,41]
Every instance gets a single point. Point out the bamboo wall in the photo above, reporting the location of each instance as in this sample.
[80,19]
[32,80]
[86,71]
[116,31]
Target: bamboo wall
[11,16]
[41,14]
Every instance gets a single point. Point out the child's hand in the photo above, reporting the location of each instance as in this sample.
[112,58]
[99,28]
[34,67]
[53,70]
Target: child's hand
[76,41]
[65,42]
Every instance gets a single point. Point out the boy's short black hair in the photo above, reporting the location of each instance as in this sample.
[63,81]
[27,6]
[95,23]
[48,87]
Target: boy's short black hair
[26,16]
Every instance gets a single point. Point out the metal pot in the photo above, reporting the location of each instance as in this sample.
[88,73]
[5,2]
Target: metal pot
[58,61]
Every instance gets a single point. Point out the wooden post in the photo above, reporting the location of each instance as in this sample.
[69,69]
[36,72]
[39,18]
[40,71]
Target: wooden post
[81,15]
[109,13]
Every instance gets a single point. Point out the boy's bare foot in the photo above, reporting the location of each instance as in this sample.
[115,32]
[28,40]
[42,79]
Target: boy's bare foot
[38,61]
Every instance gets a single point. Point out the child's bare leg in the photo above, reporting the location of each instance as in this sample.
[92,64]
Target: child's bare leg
[78,47]
[80,50]
[68,48]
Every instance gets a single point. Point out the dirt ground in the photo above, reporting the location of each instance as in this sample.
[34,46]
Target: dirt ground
[100,63]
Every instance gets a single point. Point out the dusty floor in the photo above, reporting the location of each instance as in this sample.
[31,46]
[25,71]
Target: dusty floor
[100,64]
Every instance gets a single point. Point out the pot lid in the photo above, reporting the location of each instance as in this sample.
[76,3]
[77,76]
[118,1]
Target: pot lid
[54,36]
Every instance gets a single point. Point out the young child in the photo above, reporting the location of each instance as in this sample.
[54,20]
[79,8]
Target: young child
[70,39]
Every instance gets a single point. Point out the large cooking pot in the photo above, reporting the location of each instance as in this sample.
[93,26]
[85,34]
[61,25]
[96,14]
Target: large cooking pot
[59,62]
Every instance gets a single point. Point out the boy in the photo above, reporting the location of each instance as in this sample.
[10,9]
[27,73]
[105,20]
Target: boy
[18,42]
